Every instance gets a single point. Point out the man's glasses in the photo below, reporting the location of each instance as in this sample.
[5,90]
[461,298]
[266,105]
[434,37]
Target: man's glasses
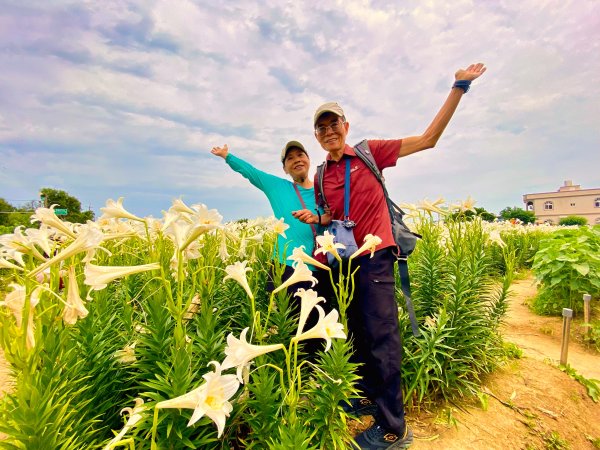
[336,127]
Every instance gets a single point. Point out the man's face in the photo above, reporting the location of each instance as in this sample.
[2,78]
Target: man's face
[331,132]
[296,163]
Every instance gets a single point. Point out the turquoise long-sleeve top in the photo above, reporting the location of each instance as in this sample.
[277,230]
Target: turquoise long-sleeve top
[283,199]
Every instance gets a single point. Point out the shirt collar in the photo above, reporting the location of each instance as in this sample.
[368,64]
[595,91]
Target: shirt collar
[349,151]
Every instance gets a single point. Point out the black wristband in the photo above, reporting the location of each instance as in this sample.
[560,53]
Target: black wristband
[463,84]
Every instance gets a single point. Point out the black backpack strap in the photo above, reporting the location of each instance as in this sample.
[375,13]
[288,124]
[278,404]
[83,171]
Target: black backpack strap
[322,202]
[364,153]
[405,286]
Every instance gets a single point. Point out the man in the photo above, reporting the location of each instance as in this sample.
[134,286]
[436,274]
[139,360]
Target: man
[373,314]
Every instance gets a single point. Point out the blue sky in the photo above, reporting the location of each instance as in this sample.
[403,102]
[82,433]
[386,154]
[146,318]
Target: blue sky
[126,98]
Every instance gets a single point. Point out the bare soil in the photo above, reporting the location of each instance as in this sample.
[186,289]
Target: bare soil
[531,404]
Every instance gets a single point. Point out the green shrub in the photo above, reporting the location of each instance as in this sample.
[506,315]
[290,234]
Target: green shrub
[460,305]
[573,220]
[567,266]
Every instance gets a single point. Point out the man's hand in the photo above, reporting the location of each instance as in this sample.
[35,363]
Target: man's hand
[220,151]
[470,73]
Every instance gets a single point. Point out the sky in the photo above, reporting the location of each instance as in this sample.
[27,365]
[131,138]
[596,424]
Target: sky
[108,99]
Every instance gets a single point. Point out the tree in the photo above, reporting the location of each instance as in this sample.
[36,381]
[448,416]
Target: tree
[479,212]
[5,209]
[65,201]
[517,213]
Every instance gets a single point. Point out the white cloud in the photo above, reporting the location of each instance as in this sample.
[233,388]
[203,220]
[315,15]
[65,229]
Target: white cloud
[127,98]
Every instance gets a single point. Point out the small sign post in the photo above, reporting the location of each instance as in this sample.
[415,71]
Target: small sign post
[564,350]
[586,312]
[61,211]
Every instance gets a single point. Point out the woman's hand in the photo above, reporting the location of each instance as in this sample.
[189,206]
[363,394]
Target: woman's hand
[220,151]
[306,216]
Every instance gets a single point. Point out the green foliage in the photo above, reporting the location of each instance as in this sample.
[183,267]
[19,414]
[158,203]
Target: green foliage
[469,215]
[553,441]
[12,216]
[72,385]
[512,351]
[6,229]
[567,265]
[460,309]
[517,213]
[573,220]
[592,336]
[592,385]
[63,200]
[5,208]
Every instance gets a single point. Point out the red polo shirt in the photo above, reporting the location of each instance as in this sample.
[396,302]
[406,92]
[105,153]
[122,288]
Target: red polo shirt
[368,207]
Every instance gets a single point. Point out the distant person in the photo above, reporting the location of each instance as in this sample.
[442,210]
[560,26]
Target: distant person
[373,312]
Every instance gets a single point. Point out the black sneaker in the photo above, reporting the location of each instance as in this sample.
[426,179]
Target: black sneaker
[377,437]
[360,407]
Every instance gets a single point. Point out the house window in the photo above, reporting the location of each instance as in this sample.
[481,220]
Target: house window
[598,220]
[572,204]
[548,205]
[529,206]
[597,202]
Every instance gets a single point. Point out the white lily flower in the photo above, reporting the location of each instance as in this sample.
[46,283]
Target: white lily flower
[210,399]
[15,301]
[42,238]
[430,207]
[327,328]
[115,210]
[326,245]
[126,355]
[467,205]
[74,308]
[135,415]
[237,272]
[223,253]
[279,227]
[49,218]
[371,243]
[88,239]
[239,352]
[495,238]
[309,300]
[98,277]
[301,273]
[20,242]
[298,254]
[5,264]
[179,206]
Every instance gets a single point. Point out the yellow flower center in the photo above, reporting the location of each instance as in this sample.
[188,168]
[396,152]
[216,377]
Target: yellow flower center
[214,402]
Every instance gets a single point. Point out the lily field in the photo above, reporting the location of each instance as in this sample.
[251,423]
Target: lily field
[136,332]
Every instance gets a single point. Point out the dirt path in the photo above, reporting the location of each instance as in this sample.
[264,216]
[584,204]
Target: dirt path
[531,403]
[540,337]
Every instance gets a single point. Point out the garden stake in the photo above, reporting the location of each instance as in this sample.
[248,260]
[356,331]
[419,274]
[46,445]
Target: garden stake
[564,351]
[586,312]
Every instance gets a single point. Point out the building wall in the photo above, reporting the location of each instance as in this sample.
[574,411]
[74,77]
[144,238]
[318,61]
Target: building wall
[569,200]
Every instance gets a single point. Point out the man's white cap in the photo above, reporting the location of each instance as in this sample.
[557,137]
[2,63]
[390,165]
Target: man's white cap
[331,107]
[289,145]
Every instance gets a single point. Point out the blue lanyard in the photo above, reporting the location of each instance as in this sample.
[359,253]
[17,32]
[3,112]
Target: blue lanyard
[347,191]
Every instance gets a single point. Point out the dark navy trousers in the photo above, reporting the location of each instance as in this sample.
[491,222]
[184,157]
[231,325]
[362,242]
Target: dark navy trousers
[373,327]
